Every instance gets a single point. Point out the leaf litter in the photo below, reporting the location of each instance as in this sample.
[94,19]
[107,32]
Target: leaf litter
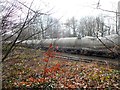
[30,68]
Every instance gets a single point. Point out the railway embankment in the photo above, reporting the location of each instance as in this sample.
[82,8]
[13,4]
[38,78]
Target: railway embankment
[29,68]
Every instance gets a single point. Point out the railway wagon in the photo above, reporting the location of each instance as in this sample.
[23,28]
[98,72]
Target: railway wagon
[46,42]
[66,44]
[108,45]
[32,43]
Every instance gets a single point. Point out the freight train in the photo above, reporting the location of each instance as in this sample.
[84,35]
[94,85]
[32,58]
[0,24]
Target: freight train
[88,45]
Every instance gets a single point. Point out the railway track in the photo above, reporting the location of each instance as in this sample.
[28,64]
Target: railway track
[88,59]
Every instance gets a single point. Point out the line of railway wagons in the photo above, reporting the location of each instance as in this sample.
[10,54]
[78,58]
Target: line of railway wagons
[102,46]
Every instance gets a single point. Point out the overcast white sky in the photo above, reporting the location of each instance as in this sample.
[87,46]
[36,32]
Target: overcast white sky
[80,8]
[76,8]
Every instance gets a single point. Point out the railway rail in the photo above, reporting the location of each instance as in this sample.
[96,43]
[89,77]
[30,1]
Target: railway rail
[88,59]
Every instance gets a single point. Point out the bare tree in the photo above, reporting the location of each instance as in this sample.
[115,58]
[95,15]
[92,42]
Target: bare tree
[86,26]
[45,21]
[18,27]
[71,24]
[116,12]
[100,26]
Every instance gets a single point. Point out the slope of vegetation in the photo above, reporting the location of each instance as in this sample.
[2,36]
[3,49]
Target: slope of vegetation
[29,68]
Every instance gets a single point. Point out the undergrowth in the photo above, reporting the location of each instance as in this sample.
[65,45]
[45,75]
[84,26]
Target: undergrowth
[47,71]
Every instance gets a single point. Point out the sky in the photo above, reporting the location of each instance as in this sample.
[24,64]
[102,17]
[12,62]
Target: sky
[77,8]
[73,8]
[81,8]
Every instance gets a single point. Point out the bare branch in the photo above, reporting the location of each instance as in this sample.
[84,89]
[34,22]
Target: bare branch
[98,4]
[31,9]
[17,36]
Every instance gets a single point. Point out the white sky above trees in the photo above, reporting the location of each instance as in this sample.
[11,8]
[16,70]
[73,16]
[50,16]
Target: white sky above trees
[69,8]
[81,8]
[76,8]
